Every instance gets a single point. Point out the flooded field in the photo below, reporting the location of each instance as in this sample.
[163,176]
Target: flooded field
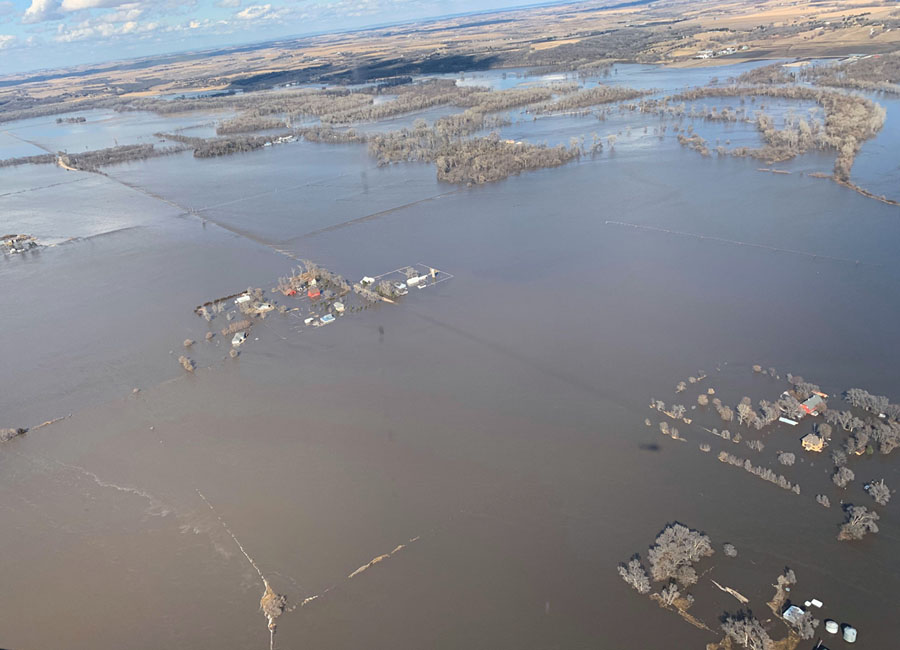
[491,425]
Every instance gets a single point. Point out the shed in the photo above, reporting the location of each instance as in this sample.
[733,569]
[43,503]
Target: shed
[793,423]
[812,442]
[792,614]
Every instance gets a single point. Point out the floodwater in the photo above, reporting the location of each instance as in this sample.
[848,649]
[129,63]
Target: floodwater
[496,419]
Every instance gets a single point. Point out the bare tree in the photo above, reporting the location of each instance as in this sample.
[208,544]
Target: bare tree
[786,458]
[805,625]
[729,550]
[635,575]
[747,632]
[669,594]
[860,520]
[824,500]
[676,549]
[843,476]
[880,492]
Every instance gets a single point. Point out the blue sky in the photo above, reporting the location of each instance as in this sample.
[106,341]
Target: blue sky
[37,34]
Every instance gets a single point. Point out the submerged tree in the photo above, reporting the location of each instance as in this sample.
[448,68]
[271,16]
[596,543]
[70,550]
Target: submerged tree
[843,476]
[747,632]
[805,625]
[635,575]
[860,521]
[880,492]
[677,548]
[786,458]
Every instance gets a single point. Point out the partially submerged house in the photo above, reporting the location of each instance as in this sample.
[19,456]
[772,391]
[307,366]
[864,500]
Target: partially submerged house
[812,442]
[313,293]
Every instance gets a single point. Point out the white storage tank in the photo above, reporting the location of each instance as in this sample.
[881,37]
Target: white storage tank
[849,634]
[831,626]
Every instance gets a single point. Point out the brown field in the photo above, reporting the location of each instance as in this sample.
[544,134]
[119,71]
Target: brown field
[576,33]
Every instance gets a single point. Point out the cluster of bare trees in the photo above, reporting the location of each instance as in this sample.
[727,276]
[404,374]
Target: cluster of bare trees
[843,476]
[746,631]
[212,147]
[676,550]
[866,434]
[93,160]
[877,404]
[671,558]
[881,73]
[488,159]
[634,574]
[849,121]
[694,142]
[41,159]
[762,472]
[330,135]
[860,521]
[249,122]
[587,97]
[823,500]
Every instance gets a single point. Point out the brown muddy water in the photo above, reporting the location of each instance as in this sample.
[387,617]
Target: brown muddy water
[492,425]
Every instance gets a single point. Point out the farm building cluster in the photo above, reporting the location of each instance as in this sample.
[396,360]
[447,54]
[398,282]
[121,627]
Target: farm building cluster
[311,294]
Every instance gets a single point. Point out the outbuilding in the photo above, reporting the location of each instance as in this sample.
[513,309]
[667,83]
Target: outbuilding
[813,405]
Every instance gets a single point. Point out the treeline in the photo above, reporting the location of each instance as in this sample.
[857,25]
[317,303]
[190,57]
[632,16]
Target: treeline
[91,161]
[588,97]
[409,99]
[849,121]
[762,472]
[247,123]
[71,120]
[41,159]
[212,147]
[880,74]
[484,160]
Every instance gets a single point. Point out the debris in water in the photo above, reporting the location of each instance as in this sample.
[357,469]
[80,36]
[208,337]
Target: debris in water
[271,603]
[380,558]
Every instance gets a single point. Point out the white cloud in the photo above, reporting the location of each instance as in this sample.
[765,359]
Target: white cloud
[78,5]
[6,8]
[102,28]
[229,4]
[6,40]
[254,12]
[41,10]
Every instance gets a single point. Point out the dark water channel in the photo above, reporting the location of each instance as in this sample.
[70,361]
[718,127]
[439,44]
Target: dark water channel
[496,419]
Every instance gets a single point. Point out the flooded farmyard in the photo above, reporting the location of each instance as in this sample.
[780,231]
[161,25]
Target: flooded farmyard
[460,459]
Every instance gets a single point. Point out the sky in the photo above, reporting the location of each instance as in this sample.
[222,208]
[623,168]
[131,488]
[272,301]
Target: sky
[40,34]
